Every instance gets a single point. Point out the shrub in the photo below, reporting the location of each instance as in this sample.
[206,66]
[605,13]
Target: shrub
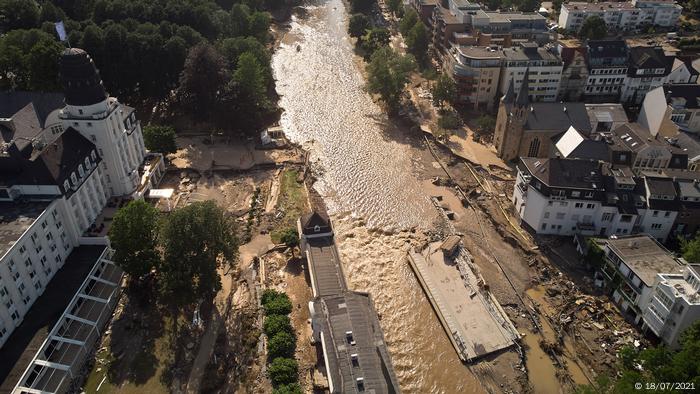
[283,371]
[281,345]
[449,121]
[293,388]
[275,324]
[276,303]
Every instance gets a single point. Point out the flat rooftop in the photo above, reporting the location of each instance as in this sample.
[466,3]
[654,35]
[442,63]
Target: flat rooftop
[26,340]
[645,257]
[480,52]
[356,347]
[15,219]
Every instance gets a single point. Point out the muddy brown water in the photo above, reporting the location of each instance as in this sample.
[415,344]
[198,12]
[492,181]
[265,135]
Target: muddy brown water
[375,198]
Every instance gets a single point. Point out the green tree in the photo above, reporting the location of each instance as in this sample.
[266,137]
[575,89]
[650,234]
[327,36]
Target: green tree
[417,42]
[18,14]
[364,6]
[374,39]
[160,139]
[387,75]
[529,5]
[409,19]
[395,6]
[358,25]
[196,240]
[281,344]
[593,28]
[275,324]
[134,238]
[486,123]
[449,121]
[293,388]
[290,237]
[251,82]
[283,371]
[201,81]
[444,91]
[691,249]
[43,65]
[277,305]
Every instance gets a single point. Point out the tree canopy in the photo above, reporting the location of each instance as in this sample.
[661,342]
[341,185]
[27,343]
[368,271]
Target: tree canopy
[444,91]
[139,46]
[202,81]
[418,41]
[159,139]
[387,75]
[283,371]
[196,240]
[134,238]
[358,24]
[593,28]
[691,249]
[409,19]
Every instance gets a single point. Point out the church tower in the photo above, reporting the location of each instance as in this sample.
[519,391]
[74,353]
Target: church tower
[510,121]
[110,125]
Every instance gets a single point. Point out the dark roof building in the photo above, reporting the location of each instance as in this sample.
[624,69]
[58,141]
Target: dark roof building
[42,104]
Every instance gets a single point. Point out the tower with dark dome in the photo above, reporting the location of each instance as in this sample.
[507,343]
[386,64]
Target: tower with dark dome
[80,78]
[110,125]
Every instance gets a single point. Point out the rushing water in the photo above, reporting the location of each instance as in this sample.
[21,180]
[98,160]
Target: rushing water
[372,192]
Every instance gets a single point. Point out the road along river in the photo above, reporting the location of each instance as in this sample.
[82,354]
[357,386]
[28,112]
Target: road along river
[377,202]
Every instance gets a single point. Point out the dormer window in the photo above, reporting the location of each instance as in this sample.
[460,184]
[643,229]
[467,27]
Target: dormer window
[87,163]
[355,360]
[80,111]
[80,170]
[66,185]
[73,178]
[93,155]
[317,228]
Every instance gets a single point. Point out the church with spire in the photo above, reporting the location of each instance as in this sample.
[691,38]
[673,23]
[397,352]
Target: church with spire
[525,128]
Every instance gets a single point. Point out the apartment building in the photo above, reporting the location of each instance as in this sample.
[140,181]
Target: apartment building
[561,196]
[607,70]
[621,16]
[674,304]
[682,72]
[542,65]
[647,69]
[632,264]
[476,71]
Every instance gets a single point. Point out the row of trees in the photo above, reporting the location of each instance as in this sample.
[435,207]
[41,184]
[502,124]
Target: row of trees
[142,48]
[281,344]
[415,35]
[182,250]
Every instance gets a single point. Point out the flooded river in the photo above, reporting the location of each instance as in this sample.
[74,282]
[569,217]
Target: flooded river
[374,196]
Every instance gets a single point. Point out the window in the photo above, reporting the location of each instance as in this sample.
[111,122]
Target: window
[655,214]
[22,249]
[544,226]
[575,193]
[590,206]
[667,214]
[534,149]
[589,194]
[15,315]
[561,215]
[608,216]
[578,205]
[546,215]
[656,226]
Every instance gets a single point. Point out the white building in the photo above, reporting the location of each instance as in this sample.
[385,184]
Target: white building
[59,166]
[648,69]
[577,196]
[621,16]
[607,70]
[542,66]
[674,304]
[631,265]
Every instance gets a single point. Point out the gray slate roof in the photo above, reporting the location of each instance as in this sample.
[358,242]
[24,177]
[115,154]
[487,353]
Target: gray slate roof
[558,116]
[570,173]
[43,103]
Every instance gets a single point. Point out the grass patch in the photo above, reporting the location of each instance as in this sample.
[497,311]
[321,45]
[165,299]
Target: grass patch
[291,201]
